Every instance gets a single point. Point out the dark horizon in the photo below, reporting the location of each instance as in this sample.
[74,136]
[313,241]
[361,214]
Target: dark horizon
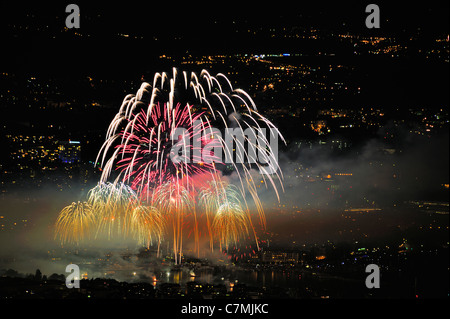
[129,37]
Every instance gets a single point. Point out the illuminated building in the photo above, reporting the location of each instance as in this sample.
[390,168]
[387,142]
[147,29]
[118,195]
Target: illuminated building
[69,151]
[279,257]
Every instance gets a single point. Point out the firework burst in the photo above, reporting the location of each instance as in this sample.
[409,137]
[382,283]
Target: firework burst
[222,203]
[166,153]
[147,225]
[112,203]
[229,224]
[75,222]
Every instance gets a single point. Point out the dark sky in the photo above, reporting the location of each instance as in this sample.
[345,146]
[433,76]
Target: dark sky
[34,39]
[217,20]
[164,16]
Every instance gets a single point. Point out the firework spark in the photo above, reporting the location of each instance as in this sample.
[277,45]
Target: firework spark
[222,203]
[147,225]
[75,222]
[167,138]
[111,203]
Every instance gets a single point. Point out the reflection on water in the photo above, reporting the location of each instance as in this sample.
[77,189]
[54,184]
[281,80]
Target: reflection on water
[257,278]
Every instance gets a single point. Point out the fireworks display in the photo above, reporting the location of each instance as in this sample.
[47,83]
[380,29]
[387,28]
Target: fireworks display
[167,166]
[75,222]
[112,203]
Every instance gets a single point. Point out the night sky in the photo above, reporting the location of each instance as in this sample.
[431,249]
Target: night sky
[194,28]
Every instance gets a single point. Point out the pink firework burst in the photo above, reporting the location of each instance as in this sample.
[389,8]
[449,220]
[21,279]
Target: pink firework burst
[146,150]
